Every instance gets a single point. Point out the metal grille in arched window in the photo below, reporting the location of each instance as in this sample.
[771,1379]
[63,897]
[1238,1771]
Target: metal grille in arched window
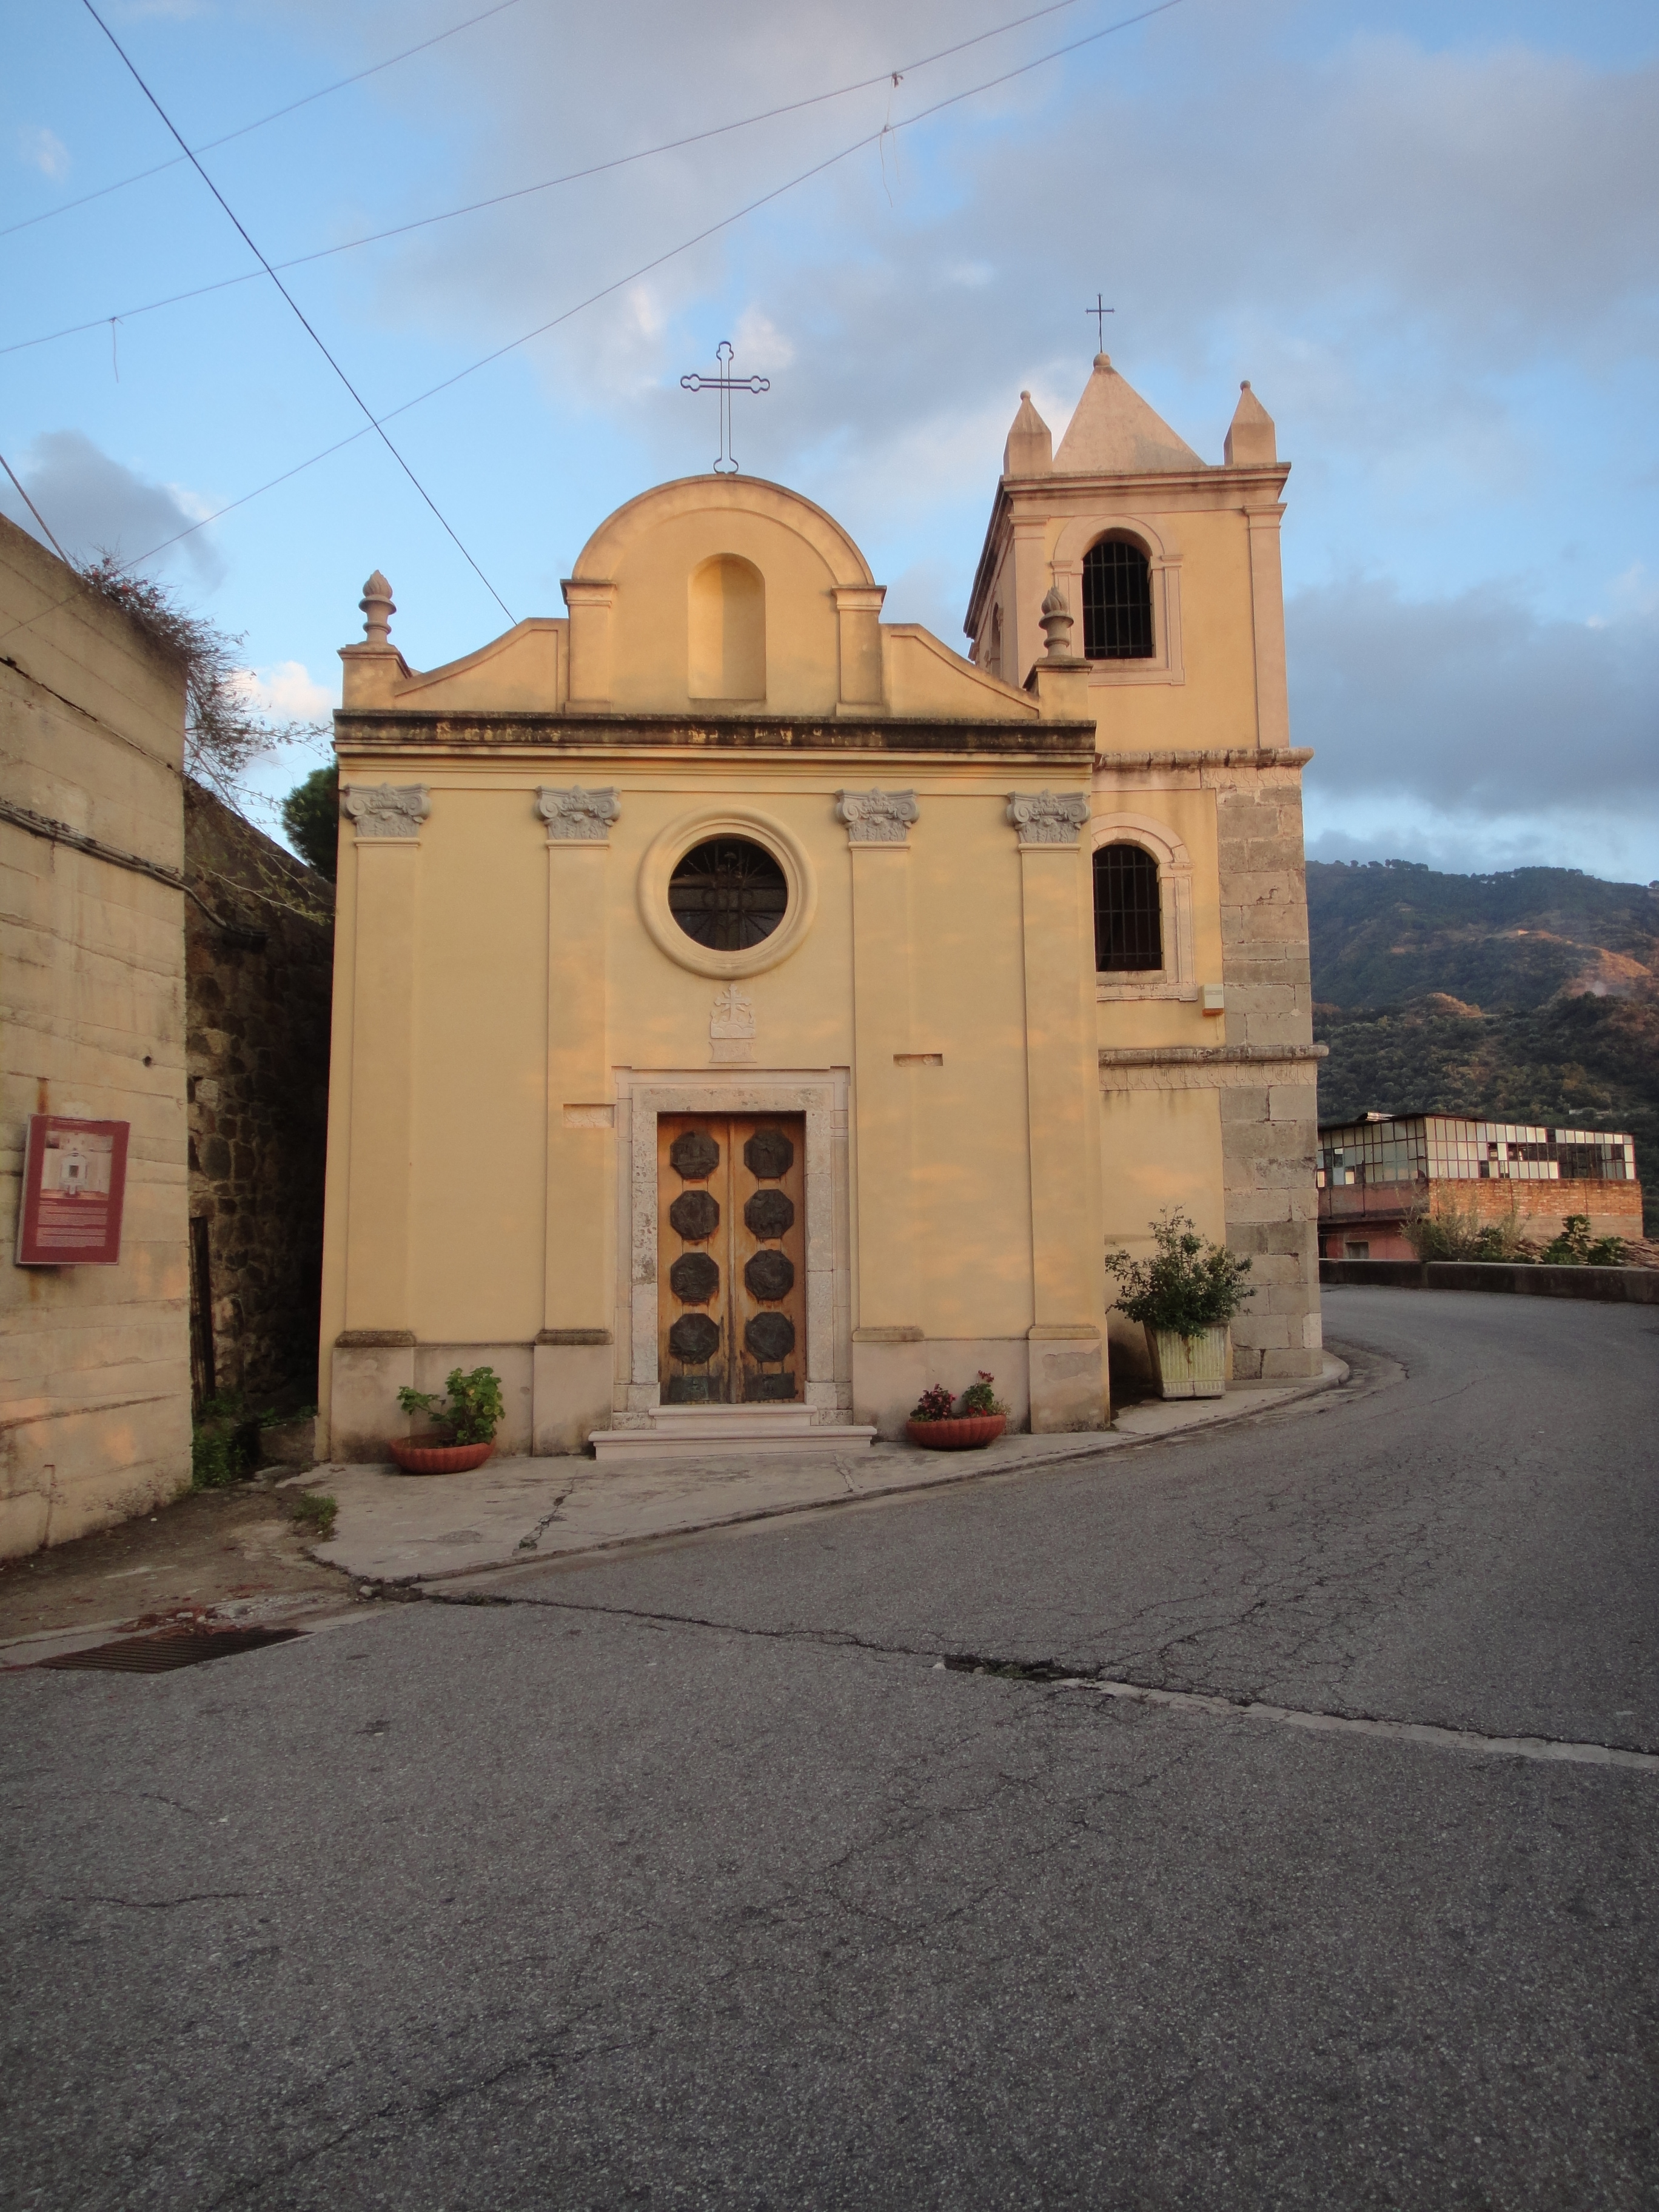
[1117,602]
[728,894]
[1128,928]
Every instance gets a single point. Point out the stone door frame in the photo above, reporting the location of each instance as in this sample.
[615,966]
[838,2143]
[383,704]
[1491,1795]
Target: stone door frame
[820,1096]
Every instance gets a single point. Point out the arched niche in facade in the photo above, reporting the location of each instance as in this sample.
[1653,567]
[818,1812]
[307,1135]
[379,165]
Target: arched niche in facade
[725,630]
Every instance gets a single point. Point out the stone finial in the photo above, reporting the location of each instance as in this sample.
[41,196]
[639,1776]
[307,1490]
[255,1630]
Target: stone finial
[575,817]
[1251,438]
[378,608]
[1029,451]
[386,809]
[1057,624]
[1048,818]
[877,818]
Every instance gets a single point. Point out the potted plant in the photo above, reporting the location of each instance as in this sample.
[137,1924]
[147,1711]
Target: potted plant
[1184,1296]
[937,1426]
[473,1408]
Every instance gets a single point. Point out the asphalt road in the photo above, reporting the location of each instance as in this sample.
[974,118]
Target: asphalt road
[690,1878]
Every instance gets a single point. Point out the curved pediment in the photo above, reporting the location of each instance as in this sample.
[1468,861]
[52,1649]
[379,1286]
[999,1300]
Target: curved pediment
[715,593]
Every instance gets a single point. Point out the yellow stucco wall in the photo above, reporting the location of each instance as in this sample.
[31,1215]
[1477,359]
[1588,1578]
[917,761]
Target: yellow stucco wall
[512,1011]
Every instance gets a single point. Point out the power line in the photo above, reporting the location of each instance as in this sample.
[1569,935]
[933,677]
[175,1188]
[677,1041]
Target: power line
[299,312]
[1057,53]
[34,510]
[259,123]
[1125,23]
[548,184]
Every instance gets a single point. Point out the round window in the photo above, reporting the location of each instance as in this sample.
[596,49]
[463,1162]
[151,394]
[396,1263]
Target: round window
[728,893]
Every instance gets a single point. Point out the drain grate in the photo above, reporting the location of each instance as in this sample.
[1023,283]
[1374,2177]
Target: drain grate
[157,1654]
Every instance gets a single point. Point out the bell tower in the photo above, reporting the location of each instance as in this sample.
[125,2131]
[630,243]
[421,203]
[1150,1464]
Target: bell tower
[1168,567]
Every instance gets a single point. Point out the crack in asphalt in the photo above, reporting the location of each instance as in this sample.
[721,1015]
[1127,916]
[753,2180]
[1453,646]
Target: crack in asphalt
[1050,1674]
[155,1903]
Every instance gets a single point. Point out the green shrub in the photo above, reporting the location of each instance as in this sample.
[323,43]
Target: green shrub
[311,819]
[1187,1286]
[224,1442]
[980,1397]
[313,1513]
[474,1405]
[1575,1247]
[1449,1230]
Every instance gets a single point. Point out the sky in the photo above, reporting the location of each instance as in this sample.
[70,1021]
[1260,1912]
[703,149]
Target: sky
[1428,234]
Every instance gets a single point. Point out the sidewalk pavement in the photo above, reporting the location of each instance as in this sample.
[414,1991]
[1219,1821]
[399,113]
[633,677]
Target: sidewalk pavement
[415,1529]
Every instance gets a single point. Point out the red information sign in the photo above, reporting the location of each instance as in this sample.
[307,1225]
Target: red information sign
[73,1185]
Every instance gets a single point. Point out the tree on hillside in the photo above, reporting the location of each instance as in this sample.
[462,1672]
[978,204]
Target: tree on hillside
[311,819]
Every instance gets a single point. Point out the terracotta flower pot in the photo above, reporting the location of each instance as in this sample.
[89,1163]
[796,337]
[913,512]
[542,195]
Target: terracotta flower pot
[438,1459]
[962,1432]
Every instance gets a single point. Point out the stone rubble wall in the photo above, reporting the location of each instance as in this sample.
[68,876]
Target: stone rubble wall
[259,994]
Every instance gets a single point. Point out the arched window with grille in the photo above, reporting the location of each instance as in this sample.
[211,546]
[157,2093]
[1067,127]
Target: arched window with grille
[1129,920]
[1117,602]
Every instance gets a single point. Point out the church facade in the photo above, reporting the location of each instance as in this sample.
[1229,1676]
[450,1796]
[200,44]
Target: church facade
[743,1001]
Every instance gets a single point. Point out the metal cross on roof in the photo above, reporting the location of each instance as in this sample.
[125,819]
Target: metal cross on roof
[725,383]
[1100,311]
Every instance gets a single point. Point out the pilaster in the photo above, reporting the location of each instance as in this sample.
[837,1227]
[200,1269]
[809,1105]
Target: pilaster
[1022,642]
[1068,1385]
[591,603]
[574,1357]
[858,613]
[884,1093]
[382,1081]
[1273,711]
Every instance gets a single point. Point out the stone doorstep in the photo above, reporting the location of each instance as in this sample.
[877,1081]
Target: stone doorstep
[693,1431]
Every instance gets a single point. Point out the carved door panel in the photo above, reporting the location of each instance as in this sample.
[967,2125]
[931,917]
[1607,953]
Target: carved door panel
[769,1276]
[731,1258]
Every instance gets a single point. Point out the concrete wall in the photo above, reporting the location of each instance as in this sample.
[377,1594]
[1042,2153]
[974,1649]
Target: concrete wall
[259,984]
[93,1361]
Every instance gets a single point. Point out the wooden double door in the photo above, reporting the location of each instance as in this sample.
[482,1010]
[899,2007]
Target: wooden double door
[731,1258]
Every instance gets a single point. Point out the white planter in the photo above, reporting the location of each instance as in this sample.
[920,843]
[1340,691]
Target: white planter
[1189,1366]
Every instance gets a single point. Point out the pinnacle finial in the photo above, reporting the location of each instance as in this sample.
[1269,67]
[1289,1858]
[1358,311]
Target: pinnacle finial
[378,608]
[1057,624]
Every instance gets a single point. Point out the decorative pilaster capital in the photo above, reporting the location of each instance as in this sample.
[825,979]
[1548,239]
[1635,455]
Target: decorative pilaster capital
[1045,818]
[386,809]
[575,817]
[877,818]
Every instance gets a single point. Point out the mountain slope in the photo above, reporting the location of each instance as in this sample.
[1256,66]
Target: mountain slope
[1389,930]
[1532,996]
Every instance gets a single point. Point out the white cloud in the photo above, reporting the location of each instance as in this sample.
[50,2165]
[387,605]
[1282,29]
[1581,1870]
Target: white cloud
[1474,703]
[1381,248]
[287,692]
[42,149]
[759,345]
[94,504]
